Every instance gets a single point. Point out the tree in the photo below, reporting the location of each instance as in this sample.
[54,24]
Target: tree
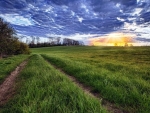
[126,45]
[6,32]
[9,44]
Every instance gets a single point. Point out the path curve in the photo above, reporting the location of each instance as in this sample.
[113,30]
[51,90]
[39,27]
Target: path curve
[7,88]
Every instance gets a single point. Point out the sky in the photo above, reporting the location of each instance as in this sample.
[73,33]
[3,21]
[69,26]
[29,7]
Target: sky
[96,21]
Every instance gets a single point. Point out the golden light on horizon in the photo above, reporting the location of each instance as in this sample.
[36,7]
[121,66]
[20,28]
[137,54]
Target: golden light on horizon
[113,39]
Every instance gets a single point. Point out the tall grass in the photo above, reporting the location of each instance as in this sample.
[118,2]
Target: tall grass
[119,79]
[7,65]
[43,89]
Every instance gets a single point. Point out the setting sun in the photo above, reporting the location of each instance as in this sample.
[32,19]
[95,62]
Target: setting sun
[113,39]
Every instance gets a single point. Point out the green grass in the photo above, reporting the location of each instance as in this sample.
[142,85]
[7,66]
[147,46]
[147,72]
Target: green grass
[43,89]
[7,65]
[121,75]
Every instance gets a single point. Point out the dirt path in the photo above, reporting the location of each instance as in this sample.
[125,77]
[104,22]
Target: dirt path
[109,106]
[7,88]
[88,90]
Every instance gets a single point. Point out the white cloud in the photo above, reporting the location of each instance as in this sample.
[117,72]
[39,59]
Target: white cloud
[80,19]
[17,19]
[120,19]
[85,8]
[31,6]
[143,29]
[72,13]
[130,26]
[118,5]
[138,1]
[76,36]
[55,15]
[95,14]
[136,12]
[64,8]
[142,1]
[121,11]
[50,9]
[52,20]
[131,19]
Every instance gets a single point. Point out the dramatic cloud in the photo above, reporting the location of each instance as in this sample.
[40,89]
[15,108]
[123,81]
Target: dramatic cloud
[78,19]
[17,20]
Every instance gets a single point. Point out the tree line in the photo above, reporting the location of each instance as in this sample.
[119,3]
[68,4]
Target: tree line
[54,41]
[9,43]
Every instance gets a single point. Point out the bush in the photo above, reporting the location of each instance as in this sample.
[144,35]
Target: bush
[24,48]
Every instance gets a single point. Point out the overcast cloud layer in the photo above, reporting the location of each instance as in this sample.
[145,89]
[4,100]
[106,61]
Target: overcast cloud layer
[78,19]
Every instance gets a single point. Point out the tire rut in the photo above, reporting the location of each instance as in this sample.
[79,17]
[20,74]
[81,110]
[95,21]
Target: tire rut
[7,88]
[110,107]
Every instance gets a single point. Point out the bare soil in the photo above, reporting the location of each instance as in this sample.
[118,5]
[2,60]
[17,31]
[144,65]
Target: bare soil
[7,88]
[110,107]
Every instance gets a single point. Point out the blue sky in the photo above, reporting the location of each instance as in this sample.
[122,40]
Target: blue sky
[78,19]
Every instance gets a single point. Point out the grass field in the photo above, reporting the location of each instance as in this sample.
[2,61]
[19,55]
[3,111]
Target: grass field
[120,74]
[7,65]
[46,90]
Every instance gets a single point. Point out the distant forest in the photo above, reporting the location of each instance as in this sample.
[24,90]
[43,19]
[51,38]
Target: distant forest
[58,41]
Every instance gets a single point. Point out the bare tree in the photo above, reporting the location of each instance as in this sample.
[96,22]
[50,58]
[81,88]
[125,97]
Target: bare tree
[33,40]
[38,39]
[27,40]
[58,40]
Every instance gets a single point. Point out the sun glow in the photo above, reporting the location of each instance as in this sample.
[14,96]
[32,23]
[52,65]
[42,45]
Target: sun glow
[113,39]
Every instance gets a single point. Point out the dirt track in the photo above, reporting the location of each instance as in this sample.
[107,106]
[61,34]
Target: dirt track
[88,90]
[7,88]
